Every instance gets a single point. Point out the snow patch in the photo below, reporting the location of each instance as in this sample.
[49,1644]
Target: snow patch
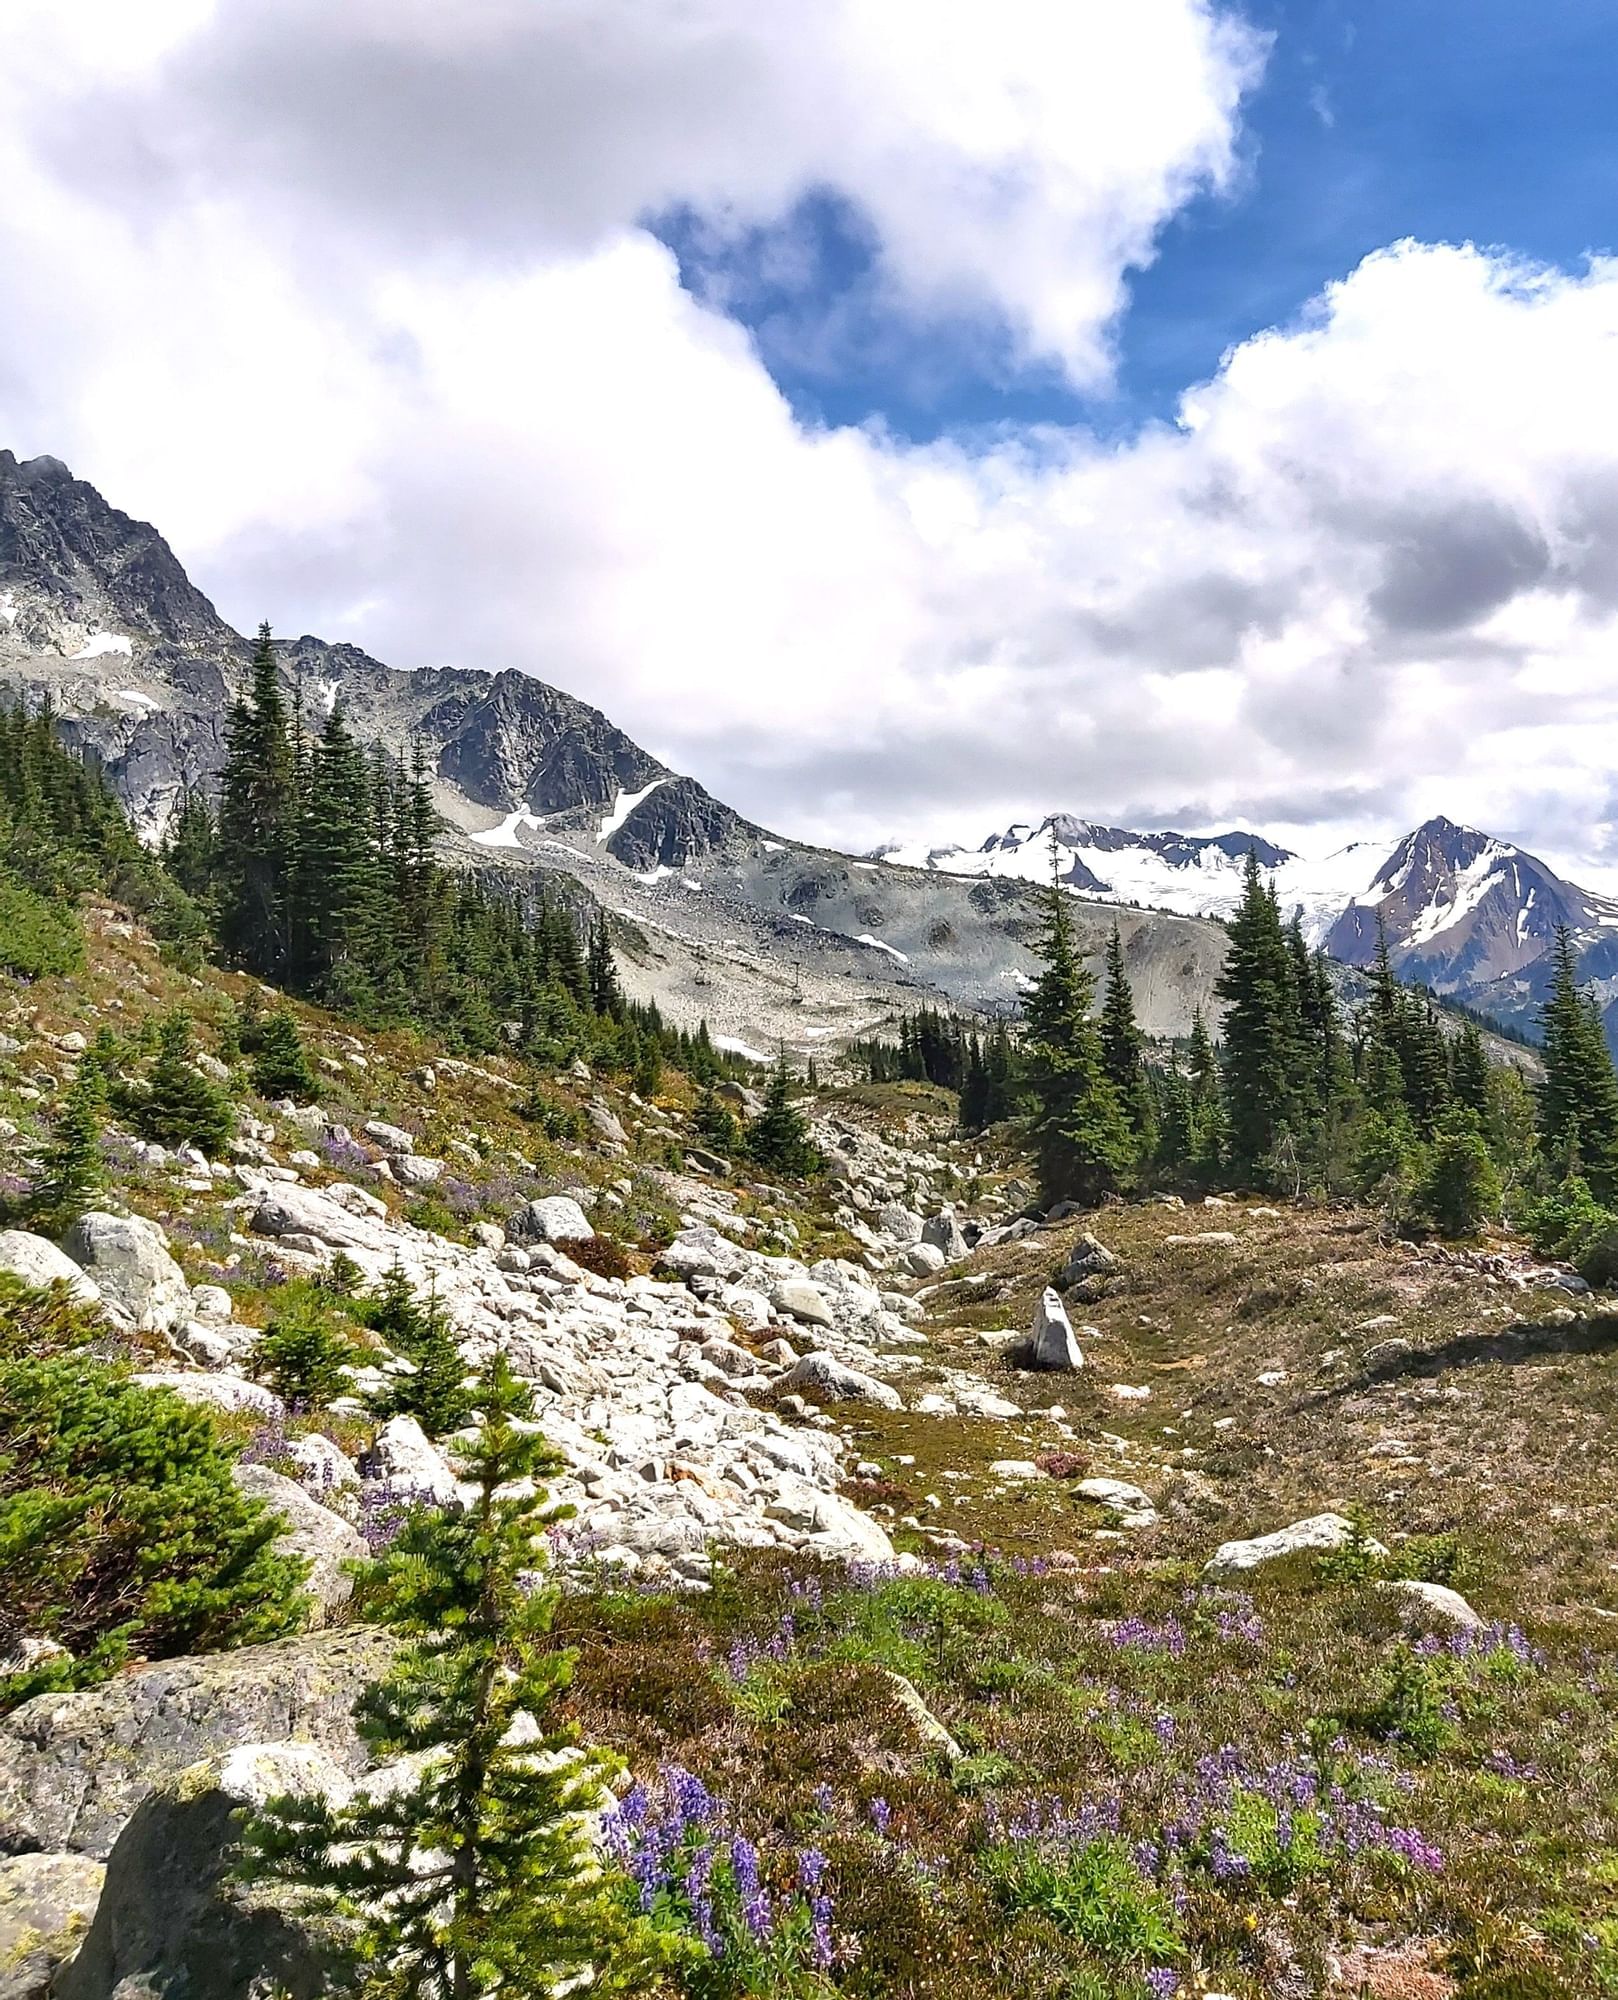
[793,917]
[733,1047]
[623,806]
[772,847]
[876,944]
[104,642]
[134,695]
[326,694]
[8,608]
[505,834]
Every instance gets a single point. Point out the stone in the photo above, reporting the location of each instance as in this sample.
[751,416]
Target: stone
[212,1302]
[1015,1468]
[208,1346]
[1055,1343]
[781,1352]
[1318,1535]
[171,1920]
[488,1235]
[37,1261]
[409,1462]
[323,1539]
[1431,1607]
[320,1467]
[829,1380]
[320,1213]
[702,1252]
[605,1125]
[901,1223]
[73,1767]
[233,1394]
[800,1300]
[927,1726]
[1128,1505]
[416,1170]
[1386,1353]
[1208,1239]
[923,1260]
[46,1903]
[128,1258]
[944,1232]
[554,1218]
[393,1139]
[1087,1259]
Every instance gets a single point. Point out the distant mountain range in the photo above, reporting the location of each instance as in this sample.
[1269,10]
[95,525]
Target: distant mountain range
[766,938]
[1467,914]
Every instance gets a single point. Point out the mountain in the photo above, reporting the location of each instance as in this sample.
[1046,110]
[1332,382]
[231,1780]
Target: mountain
[715,917]
[1469,915]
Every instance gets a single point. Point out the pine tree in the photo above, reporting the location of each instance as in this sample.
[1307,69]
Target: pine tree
[778,1138]
[1123,1051]
[1459,1190]
[475,1877]
[257,809]
[606,995]
[304,1354]
[1578,1103]
[1082,1144]
[1469,1072]
[435,1392]
[280,1064]
[179,1106]
[714,1121]
[338,870]
[71,1167]
[1264,1100]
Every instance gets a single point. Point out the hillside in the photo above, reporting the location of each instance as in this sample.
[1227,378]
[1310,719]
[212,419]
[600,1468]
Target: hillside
[944,1619]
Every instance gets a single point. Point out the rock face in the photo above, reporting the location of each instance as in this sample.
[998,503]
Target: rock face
[1055,1343]
[555,1218]
[128,1258]
[46,1903]
[170,1922]
[1318,1535]
[324,1539]
[38,1262]
[73,1767]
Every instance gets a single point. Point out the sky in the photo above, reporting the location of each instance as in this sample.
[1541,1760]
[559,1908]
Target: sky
[908,416]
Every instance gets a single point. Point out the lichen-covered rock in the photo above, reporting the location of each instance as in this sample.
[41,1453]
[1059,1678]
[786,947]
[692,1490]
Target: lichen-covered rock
[1431,1607]
[73,1767]
[170,1920]
[411,1464]
[46,1903]
[128,1258]
[38,1262]
[1319,1535]
[232,1394]
[323,1539]
[944,1233]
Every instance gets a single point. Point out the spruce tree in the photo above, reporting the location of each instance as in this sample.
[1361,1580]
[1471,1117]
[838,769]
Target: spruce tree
[606,995]
[257,812]
[71,1168]
[1578,1103]
[1459,1190]
[1123,1051]
[1263,1052]
[178,1105]
[714,1121]
[280,1063]
[474,1877]
[778,1138]
[1082,1144]
[1469,1072]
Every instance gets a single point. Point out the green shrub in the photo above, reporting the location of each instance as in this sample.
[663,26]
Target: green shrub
[280,1064]
[555,1118]
[122,1532]
[1094,1891]
[37,937]
[303,1355]
[178,1105]
[1460,1190]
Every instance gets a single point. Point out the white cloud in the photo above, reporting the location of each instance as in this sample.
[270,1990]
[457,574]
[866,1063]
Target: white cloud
[355,304]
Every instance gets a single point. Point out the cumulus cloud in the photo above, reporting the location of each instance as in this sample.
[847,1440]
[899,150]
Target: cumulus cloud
[360,305]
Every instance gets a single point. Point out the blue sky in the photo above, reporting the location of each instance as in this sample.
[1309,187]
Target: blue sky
[1489,121]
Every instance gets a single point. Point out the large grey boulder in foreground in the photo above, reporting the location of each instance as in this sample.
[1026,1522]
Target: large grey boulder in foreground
[171,1922]
[46,1903]
[73,1767]
[128,1258]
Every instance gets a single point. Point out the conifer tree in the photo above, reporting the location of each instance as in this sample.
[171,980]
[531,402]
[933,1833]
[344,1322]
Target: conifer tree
[606,995]
[71,1167]
[257,808]
[179,1106]
[714,1121]
[1469,1072]
[1264,1101]
[1082,1144]
[473,1878]
[778,1138]
[1578,1103]
[339,869]
[1123,1051]
[1460,1189]
[280,1063]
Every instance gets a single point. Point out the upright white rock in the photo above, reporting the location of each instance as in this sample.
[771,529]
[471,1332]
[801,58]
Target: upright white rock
[1055,1343]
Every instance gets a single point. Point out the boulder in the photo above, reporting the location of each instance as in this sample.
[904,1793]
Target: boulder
[324,1539]
[605,1125]
[832,1525]
[1128,1505]
[554,1218]
[702,1252]
[923,1260]
[1087,1259]
[393,1139]
[901,1223]
[928,1728]
[1317,1535]
[38,1262]
[128,1258]
[73,1767]
[944,1232]
[1207,1239]
[800,1300]
[1055,1343]
[411,1464]
[320,1467]
[318,1212]
[829,1380]
[171,1921]
[212,1302]
[46,1903]
[417,1170]
[232,1394]
[1431,1607]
